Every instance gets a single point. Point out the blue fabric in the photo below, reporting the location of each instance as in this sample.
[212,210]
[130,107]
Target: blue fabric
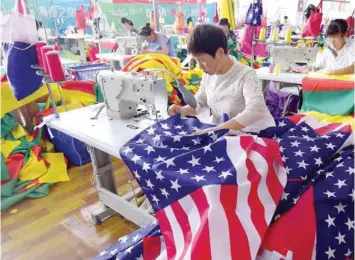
[254,14]
[161,41]
[22,78]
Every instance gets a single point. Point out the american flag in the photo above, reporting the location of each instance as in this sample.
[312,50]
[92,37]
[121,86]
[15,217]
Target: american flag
[215,195]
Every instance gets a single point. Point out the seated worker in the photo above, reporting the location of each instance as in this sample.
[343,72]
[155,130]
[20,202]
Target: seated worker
[157,43]
[128,24]
[339,60]
[224,24]
[227,86]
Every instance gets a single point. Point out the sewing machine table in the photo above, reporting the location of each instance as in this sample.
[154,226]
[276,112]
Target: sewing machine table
[104,137]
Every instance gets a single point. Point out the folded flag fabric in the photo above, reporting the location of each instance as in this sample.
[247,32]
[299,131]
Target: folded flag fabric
[215,195]
[333,95]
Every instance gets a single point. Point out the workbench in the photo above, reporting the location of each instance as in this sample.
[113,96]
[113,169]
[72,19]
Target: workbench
[80,39]
[104,137]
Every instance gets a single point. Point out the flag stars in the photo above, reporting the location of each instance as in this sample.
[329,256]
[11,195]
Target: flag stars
[305,129]
[146,166]
[160,159]
[340,183]
[198,178]
[288,170]
[309,139]
[330,146]
[159,175]
[285,196]
[225,174]
[350,170]
[302,164]
[155,199]
[149,184]
[196,141]
[299,153]
[166,133]
[156,138]
[164,193]
[340,135]
[218,160]
[175,185]
[207,148]
[348,253]
[315,149]
[123,240]
[328,174]
[350,224]
[136,175]
[178,127]
[295,144]
[340,238]
[136,237]
[151,131]
[330,221]
[113,252]
[169,162]
[149,149]
[140,141]
[209,169]
[127,150]
[183,171]
[330,253]
[318,161]
[165,126]
[340,207]
[352,194]
[182,133]
[330,194]
[136,158]
[282,123]
[326,137]
[177,138]
[194,161]
[284,158]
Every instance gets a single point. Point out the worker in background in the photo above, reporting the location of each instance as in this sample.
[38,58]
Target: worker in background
[307,13]
[156,43]
[339,57]
[128,24]
[225,25]
[227,86]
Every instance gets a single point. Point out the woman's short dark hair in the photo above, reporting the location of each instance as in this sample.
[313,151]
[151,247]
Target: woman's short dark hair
[207,38]
[337,26]
[124,20]
[146,30]
[310,8]
[189,20]
[224,22]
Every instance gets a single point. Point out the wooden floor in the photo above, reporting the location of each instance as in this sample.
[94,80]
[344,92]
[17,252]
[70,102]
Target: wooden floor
[58,226]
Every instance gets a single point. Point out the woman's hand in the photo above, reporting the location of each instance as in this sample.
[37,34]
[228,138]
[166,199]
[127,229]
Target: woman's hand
[327,72]
[205,131]
[174,109]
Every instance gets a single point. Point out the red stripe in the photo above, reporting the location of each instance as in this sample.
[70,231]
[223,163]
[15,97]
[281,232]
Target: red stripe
[238,238]
[256,206]
[346,129]
[326,129]
[271,153]
[296,118]
[168,233]
[184,224]
[201,245]
[316,84]
[151,248]
[82,86]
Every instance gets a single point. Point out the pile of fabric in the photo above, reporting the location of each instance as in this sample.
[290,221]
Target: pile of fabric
[285,193]
[29,164]
[190,78]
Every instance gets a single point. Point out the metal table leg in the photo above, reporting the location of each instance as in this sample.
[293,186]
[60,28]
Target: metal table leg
[107,190]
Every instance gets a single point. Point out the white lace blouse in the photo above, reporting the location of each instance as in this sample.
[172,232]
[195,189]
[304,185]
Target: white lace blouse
[237,94]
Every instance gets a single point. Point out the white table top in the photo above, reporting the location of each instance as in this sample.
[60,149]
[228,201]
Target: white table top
[113,56]
[76,36]
[293,78]
[105,134]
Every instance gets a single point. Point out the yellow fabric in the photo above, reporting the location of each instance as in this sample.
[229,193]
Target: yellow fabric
[19,132]
[10,103]
[47,146]
[331,119]
[226,10]
[32,169]
[319,75]
[57,170]
[7,146]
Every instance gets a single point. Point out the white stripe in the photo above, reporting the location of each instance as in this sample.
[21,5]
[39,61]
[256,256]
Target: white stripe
[260,141]
[193,215]
[339,127]
[349,141]
[314,123]
[264,195]
[280,173]
[163,253]
[218,224]
[238,158]
[176,230]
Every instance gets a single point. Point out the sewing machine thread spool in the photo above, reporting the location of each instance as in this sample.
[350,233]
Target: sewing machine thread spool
[55,66]
[275,33]
[44,50]
[288,36]
[262,34]
[38,46]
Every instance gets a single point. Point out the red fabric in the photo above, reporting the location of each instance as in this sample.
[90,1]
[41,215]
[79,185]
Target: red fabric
[259,49]
[86,86]
[3,78]
[93,51]
[314,22]
[315,84]
[301,242]
[350,21]
[14,165]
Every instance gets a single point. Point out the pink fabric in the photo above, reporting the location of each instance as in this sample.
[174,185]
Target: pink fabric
[314,22]
[259,49]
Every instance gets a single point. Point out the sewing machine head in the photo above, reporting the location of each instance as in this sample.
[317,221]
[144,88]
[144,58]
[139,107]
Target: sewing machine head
[130,45]
[124,91]
[287,55]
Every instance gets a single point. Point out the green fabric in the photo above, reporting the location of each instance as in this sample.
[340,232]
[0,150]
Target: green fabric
[7,124]
[4,171]
[330,102]
[33,193]
[98,93]
[8,188]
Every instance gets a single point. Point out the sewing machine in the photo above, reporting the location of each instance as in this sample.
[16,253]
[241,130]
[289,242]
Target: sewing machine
[286,56]
[124,91]
[130,45]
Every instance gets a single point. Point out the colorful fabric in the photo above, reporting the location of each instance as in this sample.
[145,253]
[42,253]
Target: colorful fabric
[333,95]
[215,195]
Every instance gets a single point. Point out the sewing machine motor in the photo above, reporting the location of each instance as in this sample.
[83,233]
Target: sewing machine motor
[286,56]
[124,91]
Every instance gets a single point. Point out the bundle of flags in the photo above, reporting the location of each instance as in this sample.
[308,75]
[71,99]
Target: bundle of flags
[29,164]
[284,193]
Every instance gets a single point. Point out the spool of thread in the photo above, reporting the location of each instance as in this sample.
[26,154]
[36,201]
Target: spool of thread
[38,46]
[55,66]
[44,50]
[277,70]
[274,35]
[288,36]
[262,34]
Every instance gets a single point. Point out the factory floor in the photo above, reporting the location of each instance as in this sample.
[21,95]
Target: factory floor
[58,226]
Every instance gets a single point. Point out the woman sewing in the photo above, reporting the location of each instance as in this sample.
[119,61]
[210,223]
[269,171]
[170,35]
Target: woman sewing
[338,58]
[156,43]
[225,25]
[227,87]
[128,24]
